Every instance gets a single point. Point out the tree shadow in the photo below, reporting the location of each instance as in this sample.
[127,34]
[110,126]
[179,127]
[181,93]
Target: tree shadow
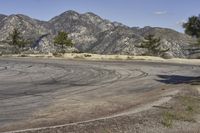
[178,79]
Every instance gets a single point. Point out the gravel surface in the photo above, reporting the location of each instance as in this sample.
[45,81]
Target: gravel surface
[45,92]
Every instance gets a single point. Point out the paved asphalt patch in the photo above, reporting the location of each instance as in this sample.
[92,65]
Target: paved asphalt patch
[29,87]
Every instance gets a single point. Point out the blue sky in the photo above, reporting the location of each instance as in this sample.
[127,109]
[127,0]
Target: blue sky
[159,13]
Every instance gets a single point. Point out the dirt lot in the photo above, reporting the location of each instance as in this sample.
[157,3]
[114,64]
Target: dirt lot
[96,96]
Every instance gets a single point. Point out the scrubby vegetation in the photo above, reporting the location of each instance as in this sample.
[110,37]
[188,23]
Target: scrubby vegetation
[185,109]
[192,27]
[62,40]
[152,45]
[16,40]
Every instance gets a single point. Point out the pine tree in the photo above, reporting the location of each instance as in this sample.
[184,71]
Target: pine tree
[63,40]
[15,39]
[152,45]
[192,27]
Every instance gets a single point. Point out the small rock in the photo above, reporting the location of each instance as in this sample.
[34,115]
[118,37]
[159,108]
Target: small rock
[167,55]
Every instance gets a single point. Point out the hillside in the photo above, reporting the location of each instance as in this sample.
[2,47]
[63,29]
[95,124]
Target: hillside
[90,33]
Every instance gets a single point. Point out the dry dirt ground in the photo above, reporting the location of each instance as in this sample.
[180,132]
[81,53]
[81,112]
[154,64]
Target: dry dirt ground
[49,95]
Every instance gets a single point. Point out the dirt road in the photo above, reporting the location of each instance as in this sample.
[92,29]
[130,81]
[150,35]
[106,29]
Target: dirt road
[45,92]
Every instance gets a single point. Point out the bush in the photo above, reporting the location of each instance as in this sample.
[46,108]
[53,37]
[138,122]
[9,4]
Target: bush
[57,54]
[87,55]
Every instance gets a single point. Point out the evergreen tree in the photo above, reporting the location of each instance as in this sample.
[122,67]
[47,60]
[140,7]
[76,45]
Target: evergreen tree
[152,45]
[63,40]
[15,39]
[192,27]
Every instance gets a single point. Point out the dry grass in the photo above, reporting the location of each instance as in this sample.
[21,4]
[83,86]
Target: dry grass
[98,57]
[187,106]
[89,56]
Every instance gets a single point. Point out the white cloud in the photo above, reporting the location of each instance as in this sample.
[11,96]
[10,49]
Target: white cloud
[181,22]
[160,12]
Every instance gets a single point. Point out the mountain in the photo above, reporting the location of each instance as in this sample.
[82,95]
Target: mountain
[91,33]
[30,28]
[2,17]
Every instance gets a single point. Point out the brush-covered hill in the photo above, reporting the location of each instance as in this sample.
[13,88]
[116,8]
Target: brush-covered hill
[91,33]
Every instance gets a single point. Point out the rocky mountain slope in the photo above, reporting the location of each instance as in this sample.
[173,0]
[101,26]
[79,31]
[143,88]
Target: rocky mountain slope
[91,33]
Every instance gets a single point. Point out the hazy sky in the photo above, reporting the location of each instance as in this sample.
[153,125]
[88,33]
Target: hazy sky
[160,13]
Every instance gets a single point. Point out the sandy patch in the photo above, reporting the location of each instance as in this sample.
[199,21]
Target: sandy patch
[98,57]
